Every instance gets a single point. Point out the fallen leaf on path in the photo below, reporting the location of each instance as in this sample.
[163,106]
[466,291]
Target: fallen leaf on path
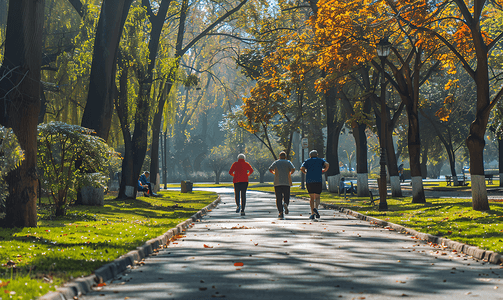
[285,241]
[101,284]
[206,246]
[238,264]
[256,244]
[203,288]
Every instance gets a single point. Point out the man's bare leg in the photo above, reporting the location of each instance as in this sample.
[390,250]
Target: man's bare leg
[317,200]
[312,200]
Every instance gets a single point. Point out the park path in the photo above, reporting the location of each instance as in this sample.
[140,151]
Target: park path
[338,257]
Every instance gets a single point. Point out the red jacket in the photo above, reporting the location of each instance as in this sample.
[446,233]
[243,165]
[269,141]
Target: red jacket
[240,170]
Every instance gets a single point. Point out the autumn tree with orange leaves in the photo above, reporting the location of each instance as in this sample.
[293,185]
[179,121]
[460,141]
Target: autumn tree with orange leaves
[466,29]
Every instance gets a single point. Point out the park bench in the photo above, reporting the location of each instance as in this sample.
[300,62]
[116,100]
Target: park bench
[489,178]
[372,199]
[461,180]
[344,186]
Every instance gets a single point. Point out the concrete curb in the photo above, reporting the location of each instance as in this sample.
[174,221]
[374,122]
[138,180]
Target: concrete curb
[484,255]
[83,285]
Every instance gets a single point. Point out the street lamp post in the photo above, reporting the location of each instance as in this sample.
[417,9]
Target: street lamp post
[383,49]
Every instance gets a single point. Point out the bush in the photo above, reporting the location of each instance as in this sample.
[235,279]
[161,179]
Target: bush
[60,146]
[11,156]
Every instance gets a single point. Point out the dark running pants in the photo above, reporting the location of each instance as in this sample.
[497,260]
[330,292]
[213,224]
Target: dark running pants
[240,192]
[282,194]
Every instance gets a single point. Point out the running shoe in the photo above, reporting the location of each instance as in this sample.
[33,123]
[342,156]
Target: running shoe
[316,213]
[281,217]
[311,217]
[285,207]
[238,208]
[242,213]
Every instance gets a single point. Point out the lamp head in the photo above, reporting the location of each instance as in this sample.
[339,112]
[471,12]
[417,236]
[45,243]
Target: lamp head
[383,47]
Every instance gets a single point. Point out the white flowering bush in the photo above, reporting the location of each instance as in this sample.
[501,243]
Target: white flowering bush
[60,146]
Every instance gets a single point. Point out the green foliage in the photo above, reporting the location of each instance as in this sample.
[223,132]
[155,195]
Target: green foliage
[60,145]
[11,156]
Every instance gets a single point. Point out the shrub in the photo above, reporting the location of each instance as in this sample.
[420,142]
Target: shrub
[60,146]
[11,156]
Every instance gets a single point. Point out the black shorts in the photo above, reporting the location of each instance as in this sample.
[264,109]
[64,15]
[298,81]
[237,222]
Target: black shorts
[314,187]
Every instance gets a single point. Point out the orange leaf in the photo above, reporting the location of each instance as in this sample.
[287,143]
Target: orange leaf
[206,246]
[238,264]
[2,284]
[102,284]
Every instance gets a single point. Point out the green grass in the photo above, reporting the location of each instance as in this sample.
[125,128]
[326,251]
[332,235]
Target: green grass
[85,239]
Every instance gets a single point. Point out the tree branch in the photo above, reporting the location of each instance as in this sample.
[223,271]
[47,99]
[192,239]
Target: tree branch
[213,25]
[78,7]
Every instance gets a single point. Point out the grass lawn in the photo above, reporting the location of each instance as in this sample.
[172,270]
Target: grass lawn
[35,260]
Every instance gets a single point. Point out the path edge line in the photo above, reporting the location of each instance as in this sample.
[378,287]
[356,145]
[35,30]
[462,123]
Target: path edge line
[83,285]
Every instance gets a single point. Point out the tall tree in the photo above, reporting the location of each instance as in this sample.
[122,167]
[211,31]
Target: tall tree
[461,26]
[99,107]
[20,105]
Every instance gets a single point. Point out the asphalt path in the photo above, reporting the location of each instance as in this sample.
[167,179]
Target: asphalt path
[257,256]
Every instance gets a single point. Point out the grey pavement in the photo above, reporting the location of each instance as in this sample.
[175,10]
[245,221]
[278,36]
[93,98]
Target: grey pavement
[339,257]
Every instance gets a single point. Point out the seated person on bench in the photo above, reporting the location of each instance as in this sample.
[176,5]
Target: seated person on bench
[144,184]
[348,188]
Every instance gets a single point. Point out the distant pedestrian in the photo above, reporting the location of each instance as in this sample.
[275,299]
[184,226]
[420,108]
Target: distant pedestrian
[282,170]
[240,170]
[400,173]
[314,167]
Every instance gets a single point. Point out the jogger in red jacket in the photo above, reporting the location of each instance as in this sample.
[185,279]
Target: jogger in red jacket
[240,170]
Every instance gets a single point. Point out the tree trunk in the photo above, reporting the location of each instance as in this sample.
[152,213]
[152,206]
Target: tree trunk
[334,127]
[361,156]
[156,129]
[475,141]
[166,158]
[20,105]
[361,160]
[500,160]
[391,162]
[128,184]
[217,176]
[99,107]
[414,145]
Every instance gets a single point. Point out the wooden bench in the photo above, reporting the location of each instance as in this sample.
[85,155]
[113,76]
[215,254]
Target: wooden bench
[461,180]
[489,178]
[372,199]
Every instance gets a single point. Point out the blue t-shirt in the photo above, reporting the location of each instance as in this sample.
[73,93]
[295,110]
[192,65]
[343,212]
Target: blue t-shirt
[313,166]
